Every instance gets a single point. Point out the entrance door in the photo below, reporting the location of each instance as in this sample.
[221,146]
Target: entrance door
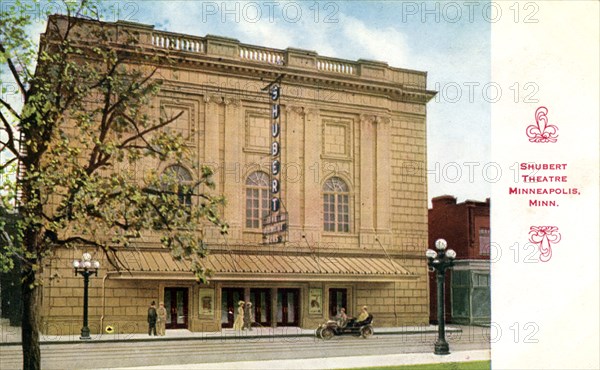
[261,303]
[176,303]
[287,307]
[337,300]
[229,305]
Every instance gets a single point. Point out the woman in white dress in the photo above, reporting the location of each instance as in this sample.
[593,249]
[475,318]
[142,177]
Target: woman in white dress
[238,324]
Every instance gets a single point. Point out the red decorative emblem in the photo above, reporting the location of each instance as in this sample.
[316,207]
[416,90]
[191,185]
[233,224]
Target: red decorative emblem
[542,132]
[544,237]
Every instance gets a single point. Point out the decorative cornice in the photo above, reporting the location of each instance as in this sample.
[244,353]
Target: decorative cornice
[229,56]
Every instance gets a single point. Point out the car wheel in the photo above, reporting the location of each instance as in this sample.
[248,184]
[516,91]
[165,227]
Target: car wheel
[366,332]
[327,333]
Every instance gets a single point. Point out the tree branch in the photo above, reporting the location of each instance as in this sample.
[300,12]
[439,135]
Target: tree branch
[10,144]
[13,70]
[104,123]
[163,218]
[141,134]
[77,239]
[8,163]
[130,89]
[10,109]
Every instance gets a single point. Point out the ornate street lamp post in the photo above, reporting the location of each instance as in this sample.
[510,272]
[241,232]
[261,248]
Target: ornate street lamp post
[86,267]
[439,261]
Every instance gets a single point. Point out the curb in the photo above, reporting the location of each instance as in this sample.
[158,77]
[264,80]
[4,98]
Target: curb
[220,337]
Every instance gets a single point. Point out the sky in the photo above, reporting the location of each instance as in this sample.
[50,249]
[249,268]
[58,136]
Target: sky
[449,40]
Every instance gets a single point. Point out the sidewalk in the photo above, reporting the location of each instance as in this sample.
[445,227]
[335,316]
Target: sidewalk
[10,335]
[332,362]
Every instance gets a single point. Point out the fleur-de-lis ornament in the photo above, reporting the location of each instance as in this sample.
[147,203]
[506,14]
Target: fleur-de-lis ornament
[544,237]
[542,131]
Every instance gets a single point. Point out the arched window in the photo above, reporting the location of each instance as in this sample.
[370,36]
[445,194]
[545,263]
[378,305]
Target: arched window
[184,180]
[257,199]
[336,206]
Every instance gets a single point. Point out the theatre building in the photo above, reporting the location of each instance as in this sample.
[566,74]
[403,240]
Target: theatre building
[352,224]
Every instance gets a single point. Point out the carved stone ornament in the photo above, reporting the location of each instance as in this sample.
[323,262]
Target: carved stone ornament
[311,113]
[295,109]
[236,102]
[368,118]
[213,99]
[383,120]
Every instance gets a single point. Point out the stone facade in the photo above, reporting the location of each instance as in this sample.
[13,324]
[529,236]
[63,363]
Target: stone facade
[362,123]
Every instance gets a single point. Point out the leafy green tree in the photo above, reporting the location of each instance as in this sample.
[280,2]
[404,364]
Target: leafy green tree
[81,124]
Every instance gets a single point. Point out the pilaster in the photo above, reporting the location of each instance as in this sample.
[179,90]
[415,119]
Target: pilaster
[313,208]
[367,173]
[211,130]
[293,127]
[232,176]
[383,175]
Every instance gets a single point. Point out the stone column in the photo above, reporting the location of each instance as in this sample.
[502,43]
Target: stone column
[273,307]
[247,294]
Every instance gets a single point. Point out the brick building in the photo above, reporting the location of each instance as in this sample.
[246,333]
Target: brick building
[466,228]
[353,134]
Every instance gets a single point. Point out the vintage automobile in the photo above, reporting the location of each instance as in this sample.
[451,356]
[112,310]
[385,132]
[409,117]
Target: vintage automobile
[332,328]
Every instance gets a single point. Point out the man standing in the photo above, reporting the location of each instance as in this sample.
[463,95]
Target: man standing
[162,318]
[152,316]
[248,316]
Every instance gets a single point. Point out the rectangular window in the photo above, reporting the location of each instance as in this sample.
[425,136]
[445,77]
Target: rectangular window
[484,241]
[329,212]
[343,216]
[336,206]
[480,280]
[265,204]
[252,212]
[257,199]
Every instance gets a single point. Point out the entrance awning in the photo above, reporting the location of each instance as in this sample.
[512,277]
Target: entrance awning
[252,267]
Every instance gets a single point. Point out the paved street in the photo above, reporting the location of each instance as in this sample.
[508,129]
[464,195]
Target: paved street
[260,351]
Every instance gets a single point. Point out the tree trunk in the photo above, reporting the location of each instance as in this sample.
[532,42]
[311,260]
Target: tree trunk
[30,331]
[31,267]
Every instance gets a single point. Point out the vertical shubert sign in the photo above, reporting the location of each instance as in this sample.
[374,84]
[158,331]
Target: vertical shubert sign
[275,223]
